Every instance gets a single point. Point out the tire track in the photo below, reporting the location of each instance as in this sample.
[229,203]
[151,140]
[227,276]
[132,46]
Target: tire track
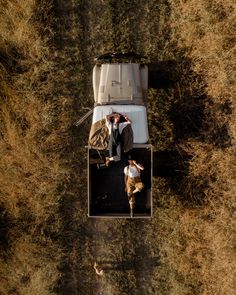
[84,30]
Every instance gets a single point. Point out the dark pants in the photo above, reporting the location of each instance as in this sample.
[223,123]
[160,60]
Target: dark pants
[115,151]
[115,145]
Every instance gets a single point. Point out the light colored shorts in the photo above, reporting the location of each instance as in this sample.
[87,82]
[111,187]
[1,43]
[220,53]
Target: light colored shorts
[132,184]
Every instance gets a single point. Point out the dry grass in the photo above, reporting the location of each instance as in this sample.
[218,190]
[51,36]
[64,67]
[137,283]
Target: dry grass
[29,173]
[207,29]
[30,268]
[48,244]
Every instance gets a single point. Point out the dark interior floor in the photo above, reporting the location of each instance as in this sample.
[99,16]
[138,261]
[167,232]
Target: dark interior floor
[107,194]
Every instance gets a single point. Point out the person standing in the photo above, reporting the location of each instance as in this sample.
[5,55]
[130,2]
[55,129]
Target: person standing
[98,269]
[115,128]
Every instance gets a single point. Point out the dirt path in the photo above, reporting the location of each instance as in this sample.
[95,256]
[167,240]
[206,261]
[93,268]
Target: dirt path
[84,30]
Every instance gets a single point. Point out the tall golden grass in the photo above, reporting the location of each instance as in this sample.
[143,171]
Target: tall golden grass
[29,173]
[48,245]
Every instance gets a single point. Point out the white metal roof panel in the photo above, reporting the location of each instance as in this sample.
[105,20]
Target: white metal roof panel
[137,115]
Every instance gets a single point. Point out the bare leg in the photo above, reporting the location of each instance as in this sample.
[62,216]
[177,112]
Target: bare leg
[136,191]
[108,160]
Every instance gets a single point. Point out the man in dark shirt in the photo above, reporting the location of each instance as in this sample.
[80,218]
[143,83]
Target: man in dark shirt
[115,129]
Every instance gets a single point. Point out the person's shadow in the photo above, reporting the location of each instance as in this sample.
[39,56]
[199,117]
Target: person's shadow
[133,264]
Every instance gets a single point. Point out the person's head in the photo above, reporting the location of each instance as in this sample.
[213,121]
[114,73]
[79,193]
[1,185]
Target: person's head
[130,159]
[131,162]
[116,118]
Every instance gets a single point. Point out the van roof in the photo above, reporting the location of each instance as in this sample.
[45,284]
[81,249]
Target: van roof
[136,113]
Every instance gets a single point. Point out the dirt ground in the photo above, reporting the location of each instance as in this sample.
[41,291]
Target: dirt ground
[85,30]
[120,247]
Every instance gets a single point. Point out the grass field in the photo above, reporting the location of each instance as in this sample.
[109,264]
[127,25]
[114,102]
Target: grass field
[47,243]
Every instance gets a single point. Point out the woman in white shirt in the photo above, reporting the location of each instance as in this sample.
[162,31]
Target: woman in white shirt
[133,183]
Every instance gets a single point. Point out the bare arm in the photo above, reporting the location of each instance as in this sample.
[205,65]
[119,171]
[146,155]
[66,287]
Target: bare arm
[108,117]
[139,166]
[127,119]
